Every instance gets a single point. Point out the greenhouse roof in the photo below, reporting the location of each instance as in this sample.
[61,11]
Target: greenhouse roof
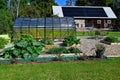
[84,12]
[55,22]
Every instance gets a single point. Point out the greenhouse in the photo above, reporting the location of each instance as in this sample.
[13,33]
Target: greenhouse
[53,27]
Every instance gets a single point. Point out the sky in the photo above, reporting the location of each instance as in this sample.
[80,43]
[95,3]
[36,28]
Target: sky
[61,2]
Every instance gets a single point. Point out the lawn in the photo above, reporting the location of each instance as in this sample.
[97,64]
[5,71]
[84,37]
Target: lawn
[82,70]
[103,33]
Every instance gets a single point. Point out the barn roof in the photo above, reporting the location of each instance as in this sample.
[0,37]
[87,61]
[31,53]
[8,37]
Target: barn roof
[84,12]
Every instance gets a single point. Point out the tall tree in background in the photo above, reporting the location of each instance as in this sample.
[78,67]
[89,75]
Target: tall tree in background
[33,8]
[70,2]
[99,2]
[20,8]
[5,18]
[83,3]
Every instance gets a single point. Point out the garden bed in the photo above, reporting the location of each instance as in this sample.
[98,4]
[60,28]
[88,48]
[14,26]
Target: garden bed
[50,58]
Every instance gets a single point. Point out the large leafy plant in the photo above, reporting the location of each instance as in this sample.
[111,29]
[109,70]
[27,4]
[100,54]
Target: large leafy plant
[3,42]
[70,40]
[26,47]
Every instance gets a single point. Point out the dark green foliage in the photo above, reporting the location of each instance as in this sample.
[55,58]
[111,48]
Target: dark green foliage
[47,41]
[111,39]
[27,37]
[74,50]
[6,22]
[83,3]
[24,48]
[37,8]
[3,42]
[57,50]
[70,40]
[3,4]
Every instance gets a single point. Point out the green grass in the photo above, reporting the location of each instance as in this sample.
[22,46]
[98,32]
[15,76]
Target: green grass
[82,70]
[103,33]
[114,34]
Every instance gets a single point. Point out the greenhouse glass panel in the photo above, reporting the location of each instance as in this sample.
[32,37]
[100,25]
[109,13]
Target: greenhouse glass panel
[33,22]
[17,32]
[25,22]
[57,33]
[49,33]
[64,32]
[41,22]
[24,30]
[56,20]
[18,22]
[51,27]
[33,32]
[40,33]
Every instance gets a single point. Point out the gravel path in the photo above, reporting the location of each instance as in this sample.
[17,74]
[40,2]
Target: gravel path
[88,44]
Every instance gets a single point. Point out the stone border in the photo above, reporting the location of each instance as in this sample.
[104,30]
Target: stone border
[109,43]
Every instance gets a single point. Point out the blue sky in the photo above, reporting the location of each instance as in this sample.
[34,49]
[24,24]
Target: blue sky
[61,2]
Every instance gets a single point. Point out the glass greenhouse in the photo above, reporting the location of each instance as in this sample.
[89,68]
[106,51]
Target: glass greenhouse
[54,27]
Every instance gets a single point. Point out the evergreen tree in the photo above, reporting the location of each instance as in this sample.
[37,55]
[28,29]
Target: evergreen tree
[83,3]
[5,18]
[70,2]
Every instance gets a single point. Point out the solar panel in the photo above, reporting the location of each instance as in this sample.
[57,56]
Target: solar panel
[83,12]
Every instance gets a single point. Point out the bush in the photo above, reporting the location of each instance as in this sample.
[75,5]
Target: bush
[111,39]
[3,42]
[70,40]
[74,50]
[24,48]
[47,41]
[57,50]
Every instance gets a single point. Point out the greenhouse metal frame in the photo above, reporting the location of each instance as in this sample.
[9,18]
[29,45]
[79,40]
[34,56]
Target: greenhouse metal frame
[49,27]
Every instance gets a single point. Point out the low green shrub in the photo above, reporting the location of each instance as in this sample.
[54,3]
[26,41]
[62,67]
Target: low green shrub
[111,39]
[47,41]
[57,50]
[3,42]
[74,50]
[70,40]
[23,48]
